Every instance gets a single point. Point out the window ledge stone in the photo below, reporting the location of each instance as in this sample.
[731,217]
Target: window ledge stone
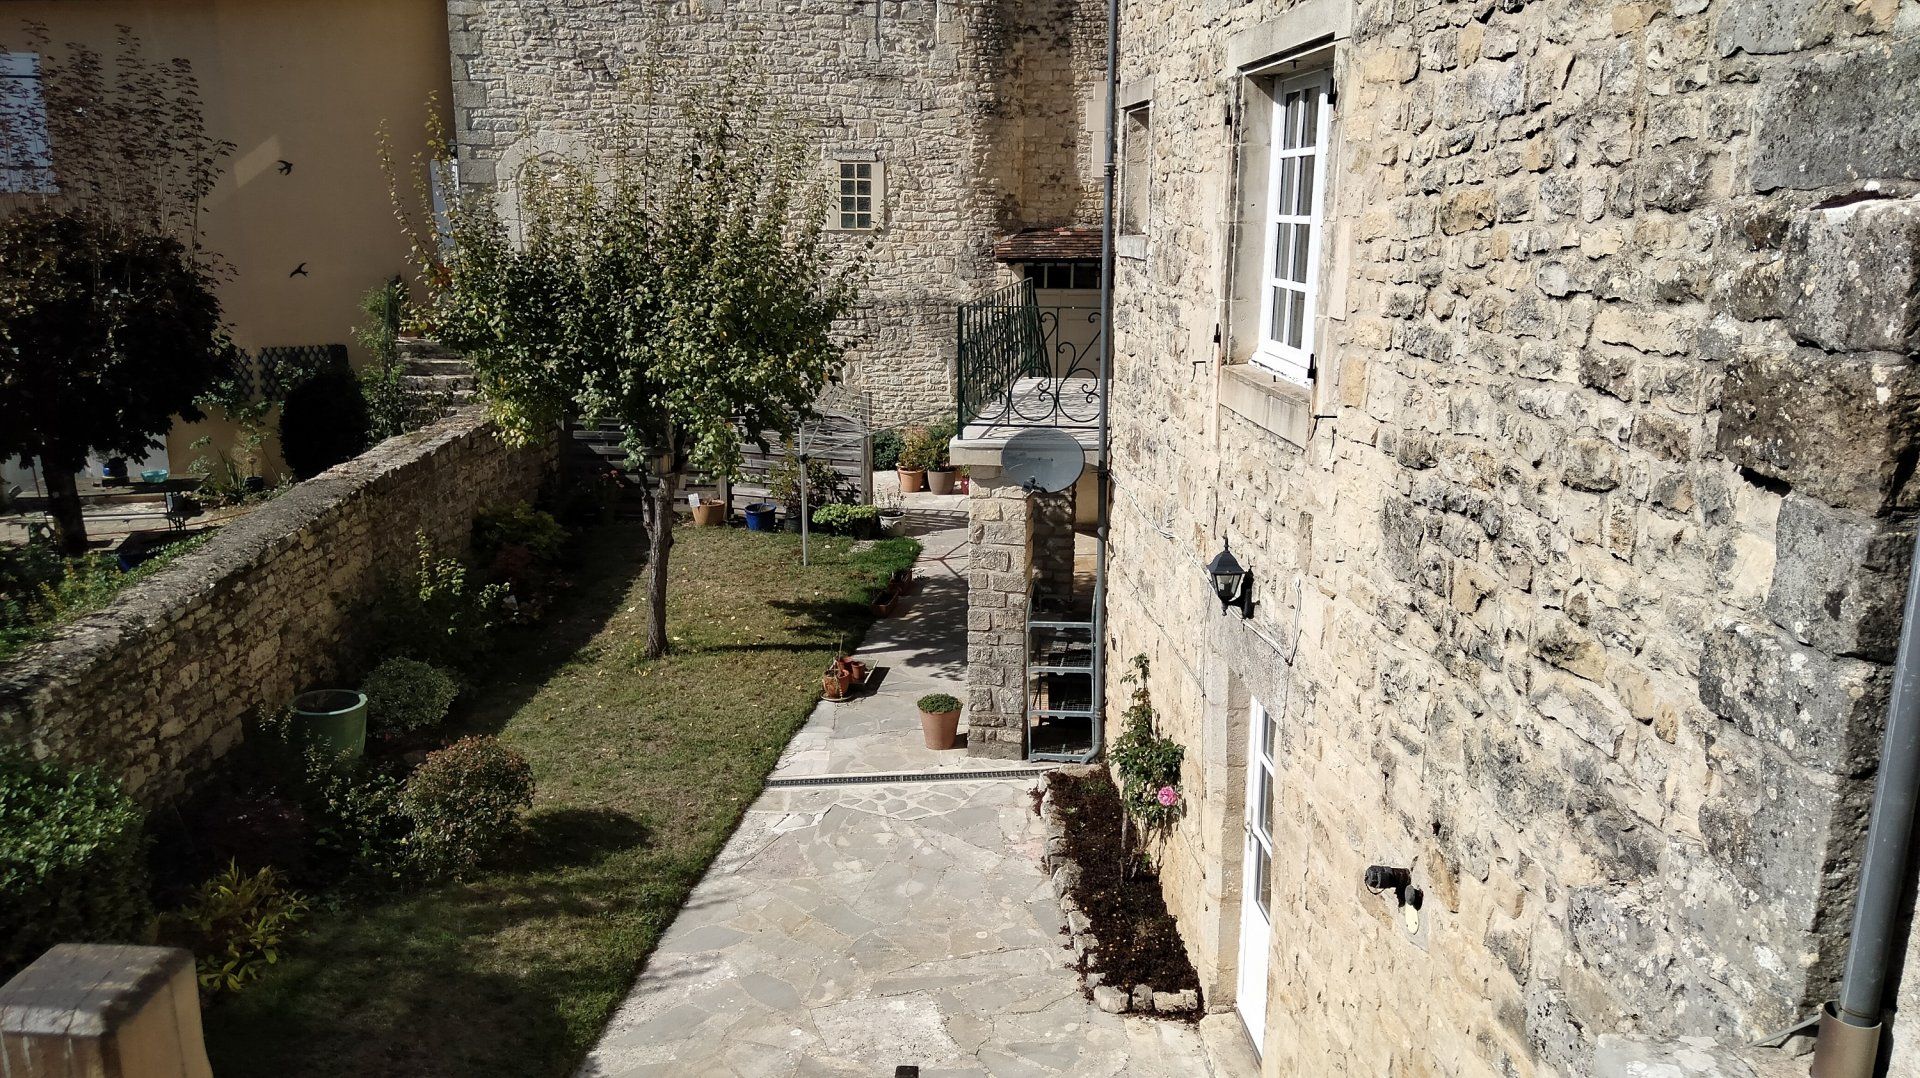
[1268,401]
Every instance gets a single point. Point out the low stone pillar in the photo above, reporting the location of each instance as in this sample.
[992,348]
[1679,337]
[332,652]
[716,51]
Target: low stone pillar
[1000,531]
[103,1011]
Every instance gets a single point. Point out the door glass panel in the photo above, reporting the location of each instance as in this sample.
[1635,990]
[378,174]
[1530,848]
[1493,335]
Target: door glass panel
[1288,166]
[1262,883]
[1303,205]
[1278,331]
[1309,126]
[1290,124]
[1269,735]
[1263,815]
[1300,252]
[1296,317]
[1282,249]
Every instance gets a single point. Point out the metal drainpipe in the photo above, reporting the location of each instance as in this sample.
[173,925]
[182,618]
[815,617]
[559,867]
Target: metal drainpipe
[1106,386]
[1850,1028]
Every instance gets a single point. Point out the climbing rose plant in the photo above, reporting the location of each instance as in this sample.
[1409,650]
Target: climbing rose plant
[1148,762]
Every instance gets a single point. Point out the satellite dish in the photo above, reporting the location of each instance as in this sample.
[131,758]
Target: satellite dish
[1043,459]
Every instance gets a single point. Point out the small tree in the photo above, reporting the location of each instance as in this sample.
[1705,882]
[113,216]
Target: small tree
[680,288]
[109,325]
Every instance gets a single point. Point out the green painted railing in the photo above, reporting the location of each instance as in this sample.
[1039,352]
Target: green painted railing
[1000,343]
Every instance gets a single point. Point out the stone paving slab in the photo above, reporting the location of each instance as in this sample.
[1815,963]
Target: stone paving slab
[846,930]
[850,930]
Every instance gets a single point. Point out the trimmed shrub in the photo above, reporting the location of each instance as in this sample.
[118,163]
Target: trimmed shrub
[360,830]
[886,450]
[855,520]
[72,860]
[464,802]
[407,694]
[234,925]
[324,419]
[938,703]
[518,525]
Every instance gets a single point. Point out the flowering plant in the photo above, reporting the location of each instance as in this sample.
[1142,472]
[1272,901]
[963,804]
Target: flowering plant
[1147,761]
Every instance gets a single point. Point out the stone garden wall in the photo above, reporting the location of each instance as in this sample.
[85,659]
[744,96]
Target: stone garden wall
[1578,569]
[157,685]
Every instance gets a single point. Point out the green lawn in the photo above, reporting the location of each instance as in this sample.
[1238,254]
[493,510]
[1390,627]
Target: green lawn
[644,770]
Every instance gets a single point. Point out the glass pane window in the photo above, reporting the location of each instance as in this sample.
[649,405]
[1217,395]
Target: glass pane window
[1263,879]
[859,190]
[1294,193]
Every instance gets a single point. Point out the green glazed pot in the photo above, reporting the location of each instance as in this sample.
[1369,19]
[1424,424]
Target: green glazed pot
[333,721]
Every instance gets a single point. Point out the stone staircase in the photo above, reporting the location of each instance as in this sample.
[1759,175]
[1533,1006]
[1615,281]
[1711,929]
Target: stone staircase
[436,373]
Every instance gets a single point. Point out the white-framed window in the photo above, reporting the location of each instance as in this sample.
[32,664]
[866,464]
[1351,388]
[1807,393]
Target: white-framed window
[861,195]
[26,154]
[1296,182]
[1136,165]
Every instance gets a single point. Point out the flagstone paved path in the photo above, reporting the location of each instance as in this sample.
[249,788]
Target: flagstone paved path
[847,930]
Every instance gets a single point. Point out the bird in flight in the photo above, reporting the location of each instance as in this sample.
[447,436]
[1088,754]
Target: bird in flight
[285,167]
[299,271]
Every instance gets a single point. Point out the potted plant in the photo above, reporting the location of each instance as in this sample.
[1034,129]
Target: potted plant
[939,720]
[883,601]
[761,516]
[893,519]
[708,512]
[940,468]
[842,675]
[917,452]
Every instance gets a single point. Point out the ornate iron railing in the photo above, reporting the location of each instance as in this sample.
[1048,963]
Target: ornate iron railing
[1024,365]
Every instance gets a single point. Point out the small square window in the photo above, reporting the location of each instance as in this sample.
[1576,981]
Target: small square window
[860,190]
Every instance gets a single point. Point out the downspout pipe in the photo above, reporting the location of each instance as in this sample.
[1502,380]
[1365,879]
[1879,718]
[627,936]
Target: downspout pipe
[1850,1027]
[1103,491]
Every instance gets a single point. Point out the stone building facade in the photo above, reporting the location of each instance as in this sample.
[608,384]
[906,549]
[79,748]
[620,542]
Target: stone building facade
[1577,556]
[972,114]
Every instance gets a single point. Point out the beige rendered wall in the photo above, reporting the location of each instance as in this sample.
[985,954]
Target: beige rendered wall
[306,81]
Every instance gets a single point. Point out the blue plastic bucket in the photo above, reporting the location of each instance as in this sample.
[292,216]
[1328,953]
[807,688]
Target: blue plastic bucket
[760,517]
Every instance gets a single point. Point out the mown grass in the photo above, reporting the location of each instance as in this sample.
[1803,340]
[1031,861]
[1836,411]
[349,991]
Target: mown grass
[644,770]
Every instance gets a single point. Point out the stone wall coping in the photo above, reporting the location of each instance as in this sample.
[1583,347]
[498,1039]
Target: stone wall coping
[224,562]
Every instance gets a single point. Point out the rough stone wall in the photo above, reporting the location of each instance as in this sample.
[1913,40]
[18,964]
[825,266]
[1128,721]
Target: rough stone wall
[964,104]
[1576,593]
[157,685]
[1000,524]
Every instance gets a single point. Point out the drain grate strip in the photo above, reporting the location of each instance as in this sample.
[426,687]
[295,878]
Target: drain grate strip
[903,776]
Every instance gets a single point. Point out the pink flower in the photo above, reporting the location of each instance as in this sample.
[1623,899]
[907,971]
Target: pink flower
[1167,796]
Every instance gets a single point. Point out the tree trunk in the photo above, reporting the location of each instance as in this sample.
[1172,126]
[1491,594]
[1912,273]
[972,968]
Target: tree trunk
[659,542]
[63,497]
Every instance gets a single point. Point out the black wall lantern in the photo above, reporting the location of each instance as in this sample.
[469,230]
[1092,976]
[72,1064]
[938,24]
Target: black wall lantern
[1232,584]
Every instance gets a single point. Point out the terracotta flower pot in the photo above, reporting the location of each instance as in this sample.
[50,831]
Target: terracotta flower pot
[833,686]
[709,514]
[912,480]
[940,482]
[883,605]
[940,728]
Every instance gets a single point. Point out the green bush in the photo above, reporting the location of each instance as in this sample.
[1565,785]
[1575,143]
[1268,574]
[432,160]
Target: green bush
[924,448]
[324,419]
[855,520]
[359,829]
[886,449]
[941,434]
[518,525]
[72,860]
[40,590]
[439,616]
[824,485]
[935,703]
[235,925]
[464,801]
[407,694]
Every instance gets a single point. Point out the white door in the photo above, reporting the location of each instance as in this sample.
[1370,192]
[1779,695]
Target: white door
[1256,876]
